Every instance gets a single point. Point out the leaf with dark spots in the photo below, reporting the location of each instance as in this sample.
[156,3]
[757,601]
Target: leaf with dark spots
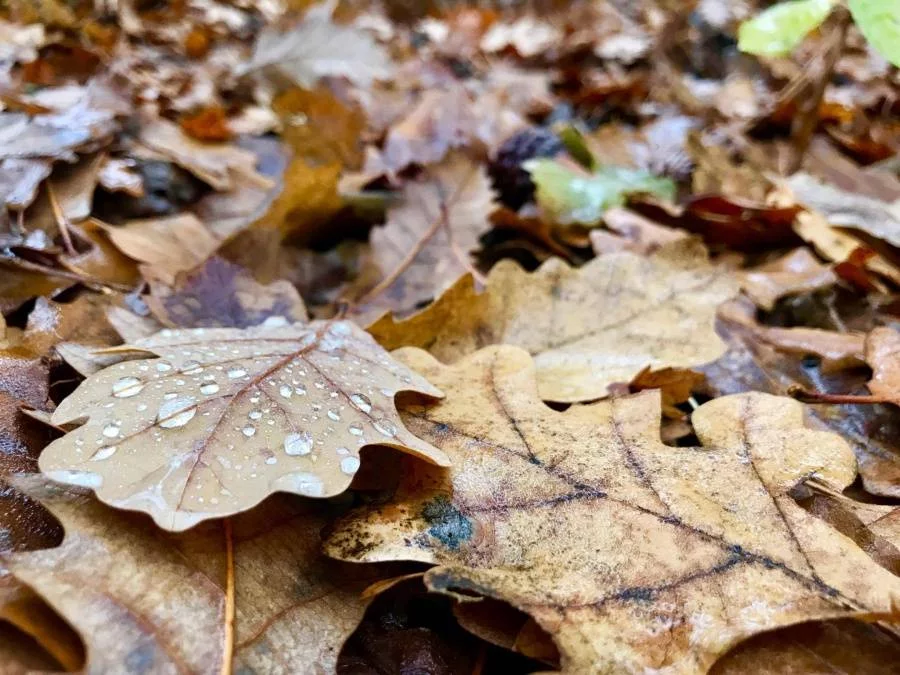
[631,554]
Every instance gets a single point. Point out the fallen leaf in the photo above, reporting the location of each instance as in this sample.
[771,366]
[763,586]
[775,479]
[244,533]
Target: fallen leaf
[222,294]
[277,408]
[316,48]
[221,165]
[425,244]
[837,350]
[675,385]
[797,272]
[777,30]
[632,554]
[118,175]
[20,180]
[209,125]
[155,601]
[633,233]
[528,35]
[166,246]
[847,209]
[882,353]
[587,327]
[879,21]
[101,261]
[569,195]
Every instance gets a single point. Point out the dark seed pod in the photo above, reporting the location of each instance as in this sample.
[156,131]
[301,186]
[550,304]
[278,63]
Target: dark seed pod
[511,181]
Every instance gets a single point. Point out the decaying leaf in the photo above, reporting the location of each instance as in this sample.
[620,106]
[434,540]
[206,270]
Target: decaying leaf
[222,294]
[156,602]
[587,327]
[224,417]
[632,554]
[425,244]
[318,48]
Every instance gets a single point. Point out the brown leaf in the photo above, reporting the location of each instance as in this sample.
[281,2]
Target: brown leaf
[425,245]
[20,180]
[631,554]
[882,353]
[633,233]
[167,245]
[208,124]
[221,294]
[675,386]
[102,261]
[156,602]
[797,272]
[587,327]
[224,417]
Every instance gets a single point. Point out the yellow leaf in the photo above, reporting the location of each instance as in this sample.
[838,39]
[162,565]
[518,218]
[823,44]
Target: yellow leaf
[587,327]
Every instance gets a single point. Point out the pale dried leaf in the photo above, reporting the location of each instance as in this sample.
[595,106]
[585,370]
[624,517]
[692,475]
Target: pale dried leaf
[587,327]
[225,417]
[882,353]
[20,180]
[155,602]
[318,48]
[632,554]
[167,246]
[797,272]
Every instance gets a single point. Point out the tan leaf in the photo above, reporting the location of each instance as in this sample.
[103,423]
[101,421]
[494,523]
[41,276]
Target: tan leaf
[837,350]
[224,417]
[633,232]
[632,554]
[225,295]
[883,356]
[318,48]
[425,245]
[797,272]
[167,245]
[20,180]
[156,602]
[587,327]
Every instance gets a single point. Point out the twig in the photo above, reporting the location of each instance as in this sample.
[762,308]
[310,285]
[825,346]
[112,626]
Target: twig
[61,221]
[808,396]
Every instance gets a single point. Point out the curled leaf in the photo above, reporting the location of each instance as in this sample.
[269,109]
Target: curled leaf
[224,417]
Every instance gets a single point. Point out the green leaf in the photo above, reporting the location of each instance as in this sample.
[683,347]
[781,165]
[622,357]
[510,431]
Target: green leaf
[879,21]
[570,196]
[780,28]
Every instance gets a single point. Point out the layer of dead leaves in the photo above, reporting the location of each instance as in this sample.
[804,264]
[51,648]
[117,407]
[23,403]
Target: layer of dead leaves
[291,247]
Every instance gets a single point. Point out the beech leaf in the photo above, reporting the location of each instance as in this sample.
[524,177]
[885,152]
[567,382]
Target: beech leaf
[633,555]
[573,196]
[224,417]
[587,327]
[780,28]
[151,602]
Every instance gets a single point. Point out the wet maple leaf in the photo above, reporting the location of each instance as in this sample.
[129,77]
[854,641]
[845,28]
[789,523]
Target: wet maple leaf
[631,554]
[587,327]
[156,602]
[224,417]
[425,244]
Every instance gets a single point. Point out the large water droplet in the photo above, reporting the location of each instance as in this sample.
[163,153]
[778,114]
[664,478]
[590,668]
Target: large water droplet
[356,429]
[298,444]
[362,402]
[209,388]
[334,415]
[163,367]
[386,427]
[235,373]
[285,391]
[104,453]
[349,465]
[176,412]
[111,430]
[191,368]
[303,483]
[254,414]
[248,430]
[127,387]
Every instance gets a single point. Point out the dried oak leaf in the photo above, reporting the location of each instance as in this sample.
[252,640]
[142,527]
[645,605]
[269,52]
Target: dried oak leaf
[424,246]
[224,417]
[587,327]
[222,294]
[632,554]
[318,48]
[152,602]
[797,272]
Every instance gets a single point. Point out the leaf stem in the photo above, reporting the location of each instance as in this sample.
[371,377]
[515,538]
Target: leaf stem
[228,651]
[808,396]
